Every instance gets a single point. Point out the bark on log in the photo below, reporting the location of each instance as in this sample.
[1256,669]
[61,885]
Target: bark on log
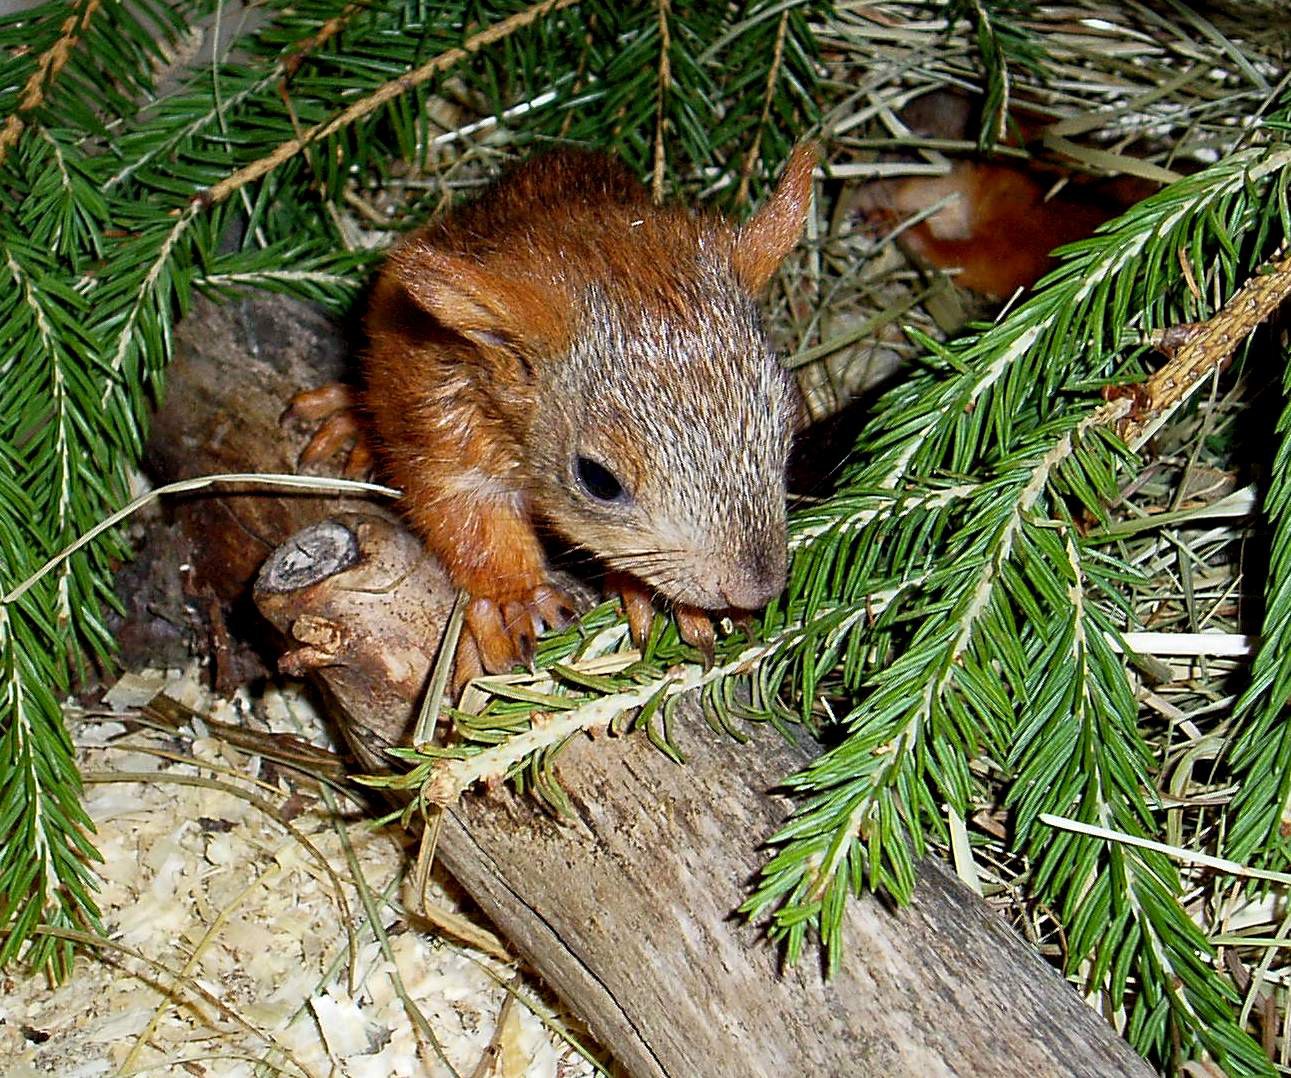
[627,910]
[237,365]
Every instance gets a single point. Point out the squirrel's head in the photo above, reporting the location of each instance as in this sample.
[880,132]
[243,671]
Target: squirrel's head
[663,445]
[652,417]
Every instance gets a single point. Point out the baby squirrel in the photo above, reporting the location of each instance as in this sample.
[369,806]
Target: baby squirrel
[563,350]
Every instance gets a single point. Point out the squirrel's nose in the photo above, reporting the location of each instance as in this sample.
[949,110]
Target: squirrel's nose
[755,583]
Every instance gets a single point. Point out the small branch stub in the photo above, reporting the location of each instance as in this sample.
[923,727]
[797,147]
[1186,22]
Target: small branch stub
[367,606]
[312,555]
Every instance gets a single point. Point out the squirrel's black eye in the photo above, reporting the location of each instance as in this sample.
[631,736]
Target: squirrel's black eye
[597,480]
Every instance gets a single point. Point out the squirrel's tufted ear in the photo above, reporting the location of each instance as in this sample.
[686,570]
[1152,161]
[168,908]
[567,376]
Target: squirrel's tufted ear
[763,241]
[489,308]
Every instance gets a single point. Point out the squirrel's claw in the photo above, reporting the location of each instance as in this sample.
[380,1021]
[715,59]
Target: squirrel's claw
[336,406]
[505,635]
[695,626]
[315,404]
[552,607]
[488,632]
[638,606]
[332,434]
[466,664]
[520,625]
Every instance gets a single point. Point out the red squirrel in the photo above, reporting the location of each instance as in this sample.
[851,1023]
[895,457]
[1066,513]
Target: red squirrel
[563,351]
[1000,228]
[1002,218]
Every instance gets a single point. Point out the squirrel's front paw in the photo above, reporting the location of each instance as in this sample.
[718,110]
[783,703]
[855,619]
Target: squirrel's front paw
[335,408]
[498,635]
[695,626]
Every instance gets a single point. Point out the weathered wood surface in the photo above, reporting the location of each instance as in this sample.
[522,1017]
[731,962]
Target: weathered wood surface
[627,911]
[237,365]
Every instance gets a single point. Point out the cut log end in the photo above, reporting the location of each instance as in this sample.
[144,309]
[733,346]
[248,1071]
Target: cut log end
[314,554]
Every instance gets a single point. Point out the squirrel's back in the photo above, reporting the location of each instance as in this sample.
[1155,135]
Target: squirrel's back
[578,218]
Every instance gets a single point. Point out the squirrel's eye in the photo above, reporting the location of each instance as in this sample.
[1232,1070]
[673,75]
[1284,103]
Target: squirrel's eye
[598,480]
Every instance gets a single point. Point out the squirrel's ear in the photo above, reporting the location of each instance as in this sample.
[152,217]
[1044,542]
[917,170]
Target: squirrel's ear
[763,241]
[491,309]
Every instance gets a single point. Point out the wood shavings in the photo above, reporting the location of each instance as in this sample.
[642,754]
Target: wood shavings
[214,888]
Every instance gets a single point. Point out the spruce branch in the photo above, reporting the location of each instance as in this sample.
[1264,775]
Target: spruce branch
[160,140]
[388,92]
[587,679]
[64,211]
[1081,754]
[83,74]
[1010,651]
[449,779]
[1197,351]
[152,298]
[932,670]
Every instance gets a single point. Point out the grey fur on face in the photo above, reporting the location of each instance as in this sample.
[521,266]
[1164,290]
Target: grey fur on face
[696,432]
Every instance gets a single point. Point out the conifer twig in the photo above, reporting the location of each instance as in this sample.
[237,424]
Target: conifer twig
[296,56]
[450,778]
[1198,350]
[750,158]
[47,69]
[386,93]
[664,86]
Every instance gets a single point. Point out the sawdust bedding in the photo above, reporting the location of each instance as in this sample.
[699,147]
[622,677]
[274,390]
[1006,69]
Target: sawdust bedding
[229,952]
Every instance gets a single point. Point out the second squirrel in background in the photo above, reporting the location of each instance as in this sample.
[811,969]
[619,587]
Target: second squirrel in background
[1001,218]
[563,351]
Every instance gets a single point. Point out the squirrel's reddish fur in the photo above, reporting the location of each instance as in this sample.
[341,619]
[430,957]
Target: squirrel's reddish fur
[562,323]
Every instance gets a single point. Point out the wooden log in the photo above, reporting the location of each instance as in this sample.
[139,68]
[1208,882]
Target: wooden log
[627,910]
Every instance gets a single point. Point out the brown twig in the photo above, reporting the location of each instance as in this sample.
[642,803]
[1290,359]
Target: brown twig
[287,749]
[387,92]
[488,1064]
[292,61]
[777,57]
[291,64]
[664,84]
[48,67]
[1204,349]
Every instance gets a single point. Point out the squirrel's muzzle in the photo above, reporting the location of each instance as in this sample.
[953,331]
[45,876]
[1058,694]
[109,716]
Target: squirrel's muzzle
[754,582]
